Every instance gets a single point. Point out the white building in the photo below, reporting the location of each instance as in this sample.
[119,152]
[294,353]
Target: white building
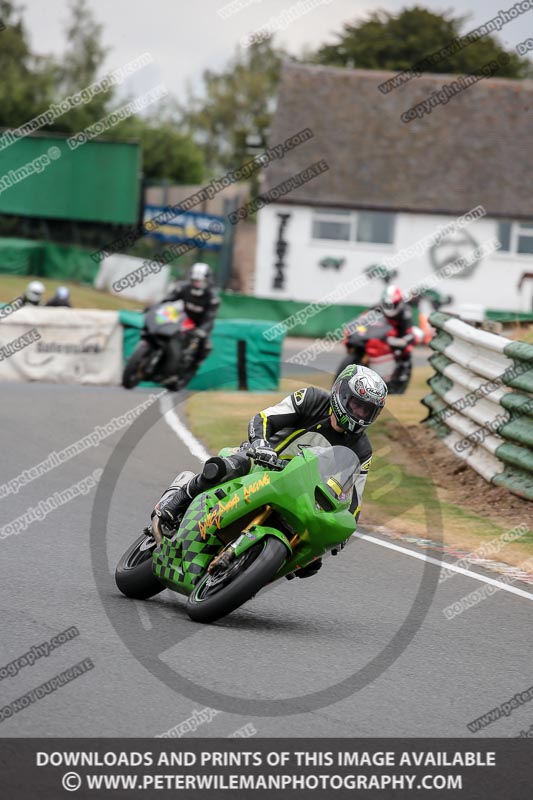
[390,184]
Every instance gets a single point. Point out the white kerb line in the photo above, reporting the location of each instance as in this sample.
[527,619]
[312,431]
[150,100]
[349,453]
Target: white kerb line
[445,565]
[195,447]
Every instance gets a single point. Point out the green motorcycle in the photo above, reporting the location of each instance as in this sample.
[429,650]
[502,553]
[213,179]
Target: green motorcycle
[246,532]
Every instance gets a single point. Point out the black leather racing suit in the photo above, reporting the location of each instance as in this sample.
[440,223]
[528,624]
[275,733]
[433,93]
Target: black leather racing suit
[201,305]
[304,418]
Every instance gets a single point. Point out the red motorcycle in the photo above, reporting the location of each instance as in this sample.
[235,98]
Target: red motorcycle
[368,342]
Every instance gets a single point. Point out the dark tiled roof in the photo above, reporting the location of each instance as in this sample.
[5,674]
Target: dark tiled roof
[476,149]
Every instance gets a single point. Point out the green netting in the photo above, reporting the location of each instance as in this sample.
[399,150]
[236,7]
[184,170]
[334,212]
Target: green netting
[60,262]
[328,319]
[63,262]
[261,369]
[20,257]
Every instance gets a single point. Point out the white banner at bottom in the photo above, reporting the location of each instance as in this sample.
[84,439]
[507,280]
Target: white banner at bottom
[61,345]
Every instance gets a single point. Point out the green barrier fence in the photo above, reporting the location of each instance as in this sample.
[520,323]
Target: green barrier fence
[46,260]
[315,325]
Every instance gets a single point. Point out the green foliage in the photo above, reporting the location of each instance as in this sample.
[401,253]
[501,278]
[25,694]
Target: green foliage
[26,87]
[81,66]
[397,42]
[237,102]
[168,154]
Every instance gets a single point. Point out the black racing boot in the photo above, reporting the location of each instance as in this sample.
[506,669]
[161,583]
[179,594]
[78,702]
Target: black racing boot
[172,507]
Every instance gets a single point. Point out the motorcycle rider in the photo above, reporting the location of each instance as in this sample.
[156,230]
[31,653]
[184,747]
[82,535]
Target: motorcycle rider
[401,335]
[33,294]
[61,298]
[201,303]
[308,416]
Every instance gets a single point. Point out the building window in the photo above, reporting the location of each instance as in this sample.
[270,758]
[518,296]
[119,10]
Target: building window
[332,225]
[354,226]
[375,226]
[516,237]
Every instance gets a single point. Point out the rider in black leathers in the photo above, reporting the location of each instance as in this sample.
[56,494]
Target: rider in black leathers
[201,303]
[309,416]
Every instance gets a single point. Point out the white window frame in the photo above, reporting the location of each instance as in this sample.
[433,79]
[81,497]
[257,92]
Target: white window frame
[351,216]
[516,233]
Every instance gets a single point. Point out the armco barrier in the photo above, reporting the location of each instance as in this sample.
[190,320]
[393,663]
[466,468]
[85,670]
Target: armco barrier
[481,403]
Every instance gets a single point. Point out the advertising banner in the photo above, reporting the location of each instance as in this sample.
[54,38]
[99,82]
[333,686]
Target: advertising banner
[61,345]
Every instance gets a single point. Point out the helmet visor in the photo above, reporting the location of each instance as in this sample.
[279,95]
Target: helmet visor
[361,410]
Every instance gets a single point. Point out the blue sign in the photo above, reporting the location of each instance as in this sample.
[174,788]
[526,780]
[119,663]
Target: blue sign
[185,225]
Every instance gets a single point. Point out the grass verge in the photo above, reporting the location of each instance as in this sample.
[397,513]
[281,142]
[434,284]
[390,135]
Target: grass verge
[12,286]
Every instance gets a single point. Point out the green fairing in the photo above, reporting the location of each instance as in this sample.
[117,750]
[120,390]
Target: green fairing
[180,561]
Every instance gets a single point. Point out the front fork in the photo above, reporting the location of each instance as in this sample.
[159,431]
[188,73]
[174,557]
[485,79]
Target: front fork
[254,532]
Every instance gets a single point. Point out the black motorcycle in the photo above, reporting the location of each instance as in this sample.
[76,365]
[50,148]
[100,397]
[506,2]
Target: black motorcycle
[165,353]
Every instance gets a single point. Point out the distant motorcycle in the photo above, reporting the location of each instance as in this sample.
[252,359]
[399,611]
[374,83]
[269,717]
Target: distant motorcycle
[165,353]
[366,343]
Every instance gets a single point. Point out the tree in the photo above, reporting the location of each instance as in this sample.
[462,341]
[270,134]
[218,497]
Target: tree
[80,67]
[237,102]
[26,87]
[168,154]
[389,42]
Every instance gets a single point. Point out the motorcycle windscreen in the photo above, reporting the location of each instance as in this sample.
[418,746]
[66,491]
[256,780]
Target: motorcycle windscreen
[338,467]
[165,319]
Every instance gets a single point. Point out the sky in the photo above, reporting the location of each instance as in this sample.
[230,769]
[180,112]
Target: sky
[186,38]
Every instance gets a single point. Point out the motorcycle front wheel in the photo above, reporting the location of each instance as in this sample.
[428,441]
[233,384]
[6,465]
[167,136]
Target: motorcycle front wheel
[134,369]
[133,575]
[216,596]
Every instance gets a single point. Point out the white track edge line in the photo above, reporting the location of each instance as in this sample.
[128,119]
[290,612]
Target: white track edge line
[445,565]
[190,441]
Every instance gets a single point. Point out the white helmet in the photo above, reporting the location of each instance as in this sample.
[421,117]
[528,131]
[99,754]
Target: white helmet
[200,275]
[62,293]
[35,291]
[392,301]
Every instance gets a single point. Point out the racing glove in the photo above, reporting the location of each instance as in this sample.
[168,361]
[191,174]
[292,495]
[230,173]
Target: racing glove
[263,453]
[399,342]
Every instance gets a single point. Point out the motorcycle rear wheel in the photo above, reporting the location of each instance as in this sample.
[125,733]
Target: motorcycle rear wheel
[215,597]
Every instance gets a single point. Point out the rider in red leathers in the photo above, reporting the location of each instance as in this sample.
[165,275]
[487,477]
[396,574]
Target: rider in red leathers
[401,335]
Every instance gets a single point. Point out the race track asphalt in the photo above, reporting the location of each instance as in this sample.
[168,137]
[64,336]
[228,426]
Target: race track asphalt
[362,649]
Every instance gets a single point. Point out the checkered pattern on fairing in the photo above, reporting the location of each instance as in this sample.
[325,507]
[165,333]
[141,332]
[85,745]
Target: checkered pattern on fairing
[187,550]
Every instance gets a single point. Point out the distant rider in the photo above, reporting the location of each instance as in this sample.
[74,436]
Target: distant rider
[201,303]
[401,336]
[33,294]
[308,416]
[61,298]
